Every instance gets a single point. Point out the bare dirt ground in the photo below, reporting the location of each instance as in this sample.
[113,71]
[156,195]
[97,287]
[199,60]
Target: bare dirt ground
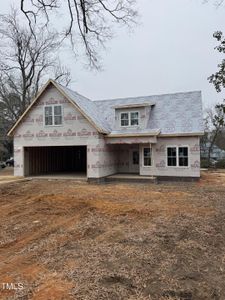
[67,240]
[6,175]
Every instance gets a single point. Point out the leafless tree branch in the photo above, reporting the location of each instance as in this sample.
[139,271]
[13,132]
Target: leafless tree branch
[26,62]
[89,22]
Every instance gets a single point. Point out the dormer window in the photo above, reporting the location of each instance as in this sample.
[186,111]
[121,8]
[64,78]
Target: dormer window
[124,119]
[53,115]
[134,119]
[129,119]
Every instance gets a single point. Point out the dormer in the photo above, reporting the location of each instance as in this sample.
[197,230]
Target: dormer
[132,116]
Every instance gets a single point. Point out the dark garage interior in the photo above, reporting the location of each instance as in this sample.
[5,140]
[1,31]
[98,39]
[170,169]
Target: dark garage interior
[55,160]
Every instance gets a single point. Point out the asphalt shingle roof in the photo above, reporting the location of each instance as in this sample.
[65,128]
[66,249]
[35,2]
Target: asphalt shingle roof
[88,107]
[178,113]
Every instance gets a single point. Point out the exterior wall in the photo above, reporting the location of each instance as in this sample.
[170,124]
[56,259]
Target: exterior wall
[113,159]
[75,130]
[124,158]
[159,158]
[144,113]
[102,160]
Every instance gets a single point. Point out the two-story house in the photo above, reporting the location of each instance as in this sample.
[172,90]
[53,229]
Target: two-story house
[62,131]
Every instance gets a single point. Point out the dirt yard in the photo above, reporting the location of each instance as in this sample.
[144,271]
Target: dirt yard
[67,240]
[6,175]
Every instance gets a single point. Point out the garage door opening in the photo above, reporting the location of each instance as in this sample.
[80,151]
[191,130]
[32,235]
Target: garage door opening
[60,160]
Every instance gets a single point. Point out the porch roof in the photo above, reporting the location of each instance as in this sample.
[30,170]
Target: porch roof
[132,140]
[132,133]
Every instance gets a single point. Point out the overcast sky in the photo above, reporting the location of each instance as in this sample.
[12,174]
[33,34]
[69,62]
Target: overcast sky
[171,51]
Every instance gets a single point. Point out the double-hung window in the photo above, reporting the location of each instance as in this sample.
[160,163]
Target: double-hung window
[177,156]
[134,120]
[172,156]
[124,119]
[48,115]
[147,157]
[183,156]
[53,115]
[129,119]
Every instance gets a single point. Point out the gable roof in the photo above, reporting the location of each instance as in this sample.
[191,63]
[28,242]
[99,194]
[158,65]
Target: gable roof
[86,107]
[178,114]
[174,114]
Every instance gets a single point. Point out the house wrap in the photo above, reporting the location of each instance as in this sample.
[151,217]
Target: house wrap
[63,131]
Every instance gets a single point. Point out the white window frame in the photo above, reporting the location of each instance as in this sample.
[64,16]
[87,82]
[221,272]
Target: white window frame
[177,156]
[143,158]
[126,119]
[134,112]
[53,115]
[129,118]
[188,157]
[172,146]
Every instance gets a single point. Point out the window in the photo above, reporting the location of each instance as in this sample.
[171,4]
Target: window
[172,156]
[177,156]
[124,119]
[129,119]
[134,120]
[183,156]
[48,115]
[53,115]
[58,115]
[147,154]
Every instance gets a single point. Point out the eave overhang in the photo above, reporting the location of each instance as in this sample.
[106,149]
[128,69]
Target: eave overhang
[134,105]
[133,134]
[182,134]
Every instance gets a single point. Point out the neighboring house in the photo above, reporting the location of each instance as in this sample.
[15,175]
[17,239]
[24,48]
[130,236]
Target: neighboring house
[62,131]
[216,152]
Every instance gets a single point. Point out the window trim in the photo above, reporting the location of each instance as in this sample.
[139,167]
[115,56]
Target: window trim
[134,112]
[126,119]
[129,118]
[173,146]
[143,158]
[53,115]
[188,157]
[177,156]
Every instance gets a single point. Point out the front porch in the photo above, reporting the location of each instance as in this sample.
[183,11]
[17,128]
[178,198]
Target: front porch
[132,160]
[133,156]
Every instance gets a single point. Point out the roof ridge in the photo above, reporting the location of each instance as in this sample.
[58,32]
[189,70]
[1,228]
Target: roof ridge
[156,95]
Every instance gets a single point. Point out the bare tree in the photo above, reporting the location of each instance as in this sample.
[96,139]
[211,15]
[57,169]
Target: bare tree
[89,21]
[27,60]
[217,3]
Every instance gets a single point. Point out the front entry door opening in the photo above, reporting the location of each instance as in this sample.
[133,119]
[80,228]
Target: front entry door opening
[134,161]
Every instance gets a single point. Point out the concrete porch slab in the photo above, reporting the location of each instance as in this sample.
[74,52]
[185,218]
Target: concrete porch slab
[131,178]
